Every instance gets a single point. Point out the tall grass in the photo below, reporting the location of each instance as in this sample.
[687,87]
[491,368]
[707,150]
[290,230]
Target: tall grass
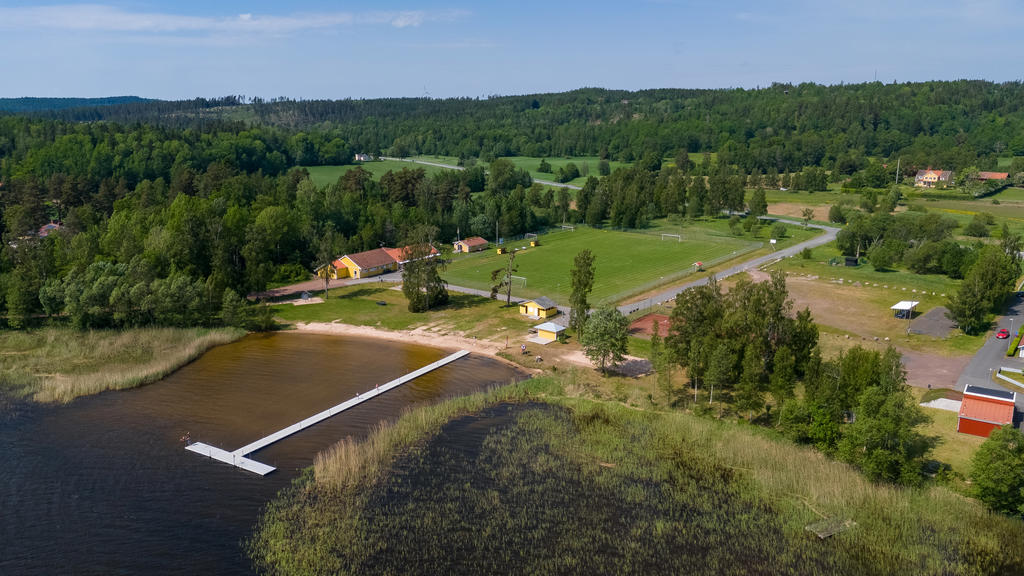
[609,489]
[350,462]
[61,364]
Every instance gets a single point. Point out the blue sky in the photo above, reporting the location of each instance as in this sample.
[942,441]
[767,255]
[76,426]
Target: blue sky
[320,49]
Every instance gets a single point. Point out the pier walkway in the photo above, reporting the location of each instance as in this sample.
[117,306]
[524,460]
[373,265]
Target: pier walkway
[238,457]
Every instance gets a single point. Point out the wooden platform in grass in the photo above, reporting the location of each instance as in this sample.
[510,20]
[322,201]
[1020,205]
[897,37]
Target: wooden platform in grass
[238,457]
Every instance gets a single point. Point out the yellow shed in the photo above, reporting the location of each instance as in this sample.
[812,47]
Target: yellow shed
[549,331]
[540,308]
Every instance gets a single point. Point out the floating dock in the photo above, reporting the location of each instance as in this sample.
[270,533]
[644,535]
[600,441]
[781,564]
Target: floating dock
[238,457]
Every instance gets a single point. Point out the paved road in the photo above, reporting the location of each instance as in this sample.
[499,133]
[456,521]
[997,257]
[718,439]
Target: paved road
[450,167]
[828,236]
[993,355]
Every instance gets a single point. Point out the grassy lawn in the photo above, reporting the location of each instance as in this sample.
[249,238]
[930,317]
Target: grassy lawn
[953,448]
[357,305]
[625,262]
[60,364]
[324,175]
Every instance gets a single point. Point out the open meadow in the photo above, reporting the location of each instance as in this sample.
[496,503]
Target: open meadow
[625,262]
[324,175]
[855,302]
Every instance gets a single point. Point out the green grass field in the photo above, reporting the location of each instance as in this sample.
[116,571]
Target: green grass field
[324,175]
[626,262]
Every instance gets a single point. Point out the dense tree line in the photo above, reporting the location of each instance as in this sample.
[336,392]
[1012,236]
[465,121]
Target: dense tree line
[22,105]
[745,346]
[858,408]
[779,129]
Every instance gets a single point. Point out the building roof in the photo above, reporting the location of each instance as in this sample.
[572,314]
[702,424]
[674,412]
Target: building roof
[45,230]
[938,173]
[474,241]
[986,410]
[543,302]
[400,255]
[993,175]
[338,264]
[904,305]
[550,327]
[990,393]
[371,258]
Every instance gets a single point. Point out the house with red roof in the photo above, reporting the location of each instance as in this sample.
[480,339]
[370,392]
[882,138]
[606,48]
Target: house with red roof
[930,178]
[471,244]
[985,409]
[369,263]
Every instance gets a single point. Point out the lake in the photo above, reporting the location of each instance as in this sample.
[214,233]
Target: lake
[104,485]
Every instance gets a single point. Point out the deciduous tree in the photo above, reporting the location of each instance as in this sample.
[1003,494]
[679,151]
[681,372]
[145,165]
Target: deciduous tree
[605,339]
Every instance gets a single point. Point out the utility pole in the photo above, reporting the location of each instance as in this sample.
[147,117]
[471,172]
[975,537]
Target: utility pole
[898,160]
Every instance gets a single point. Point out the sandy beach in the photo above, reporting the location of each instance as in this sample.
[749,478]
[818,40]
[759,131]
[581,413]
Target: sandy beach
[421,336]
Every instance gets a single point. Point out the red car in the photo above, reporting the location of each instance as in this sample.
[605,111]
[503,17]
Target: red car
[1003,334]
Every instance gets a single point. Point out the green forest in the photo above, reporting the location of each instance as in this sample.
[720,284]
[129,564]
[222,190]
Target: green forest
[781,128]
[170,212]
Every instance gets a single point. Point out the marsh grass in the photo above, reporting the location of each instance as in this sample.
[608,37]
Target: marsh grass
[527,480]
[61,364]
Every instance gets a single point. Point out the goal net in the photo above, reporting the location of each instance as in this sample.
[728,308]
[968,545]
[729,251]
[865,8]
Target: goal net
[569,228]
[518,281]
[678,237]
[531,236]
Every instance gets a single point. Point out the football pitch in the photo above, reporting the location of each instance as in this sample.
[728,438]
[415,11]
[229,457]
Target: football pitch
[625,263]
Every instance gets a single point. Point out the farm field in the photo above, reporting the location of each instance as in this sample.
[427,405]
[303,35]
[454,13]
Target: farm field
[324,175]
[625,262]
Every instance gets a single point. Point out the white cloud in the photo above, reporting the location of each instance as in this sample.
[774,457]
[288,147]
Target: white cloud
[103,18]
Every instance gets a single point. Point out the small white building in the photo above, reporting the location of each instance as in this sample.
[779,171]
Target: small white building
[363,158]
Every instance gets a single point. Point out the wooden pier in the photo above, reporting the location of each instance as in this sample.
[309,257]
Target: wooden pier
[238,457]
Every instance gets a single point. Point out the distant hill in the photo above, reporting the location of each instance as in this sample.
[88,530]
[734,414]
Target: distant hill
[21,105]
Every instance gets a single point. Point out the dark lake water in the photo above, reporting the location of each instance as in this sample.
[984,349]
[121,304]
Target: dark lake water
[104,485]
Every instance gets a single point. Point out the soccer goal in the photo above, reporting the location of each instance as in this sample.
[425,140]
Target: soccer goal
[569,228]
[678,237]
[513,279]
[530,236]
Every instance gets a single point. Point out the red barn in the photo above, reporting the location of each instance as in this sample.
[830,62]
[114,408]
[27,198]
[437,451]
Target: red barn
[984,409]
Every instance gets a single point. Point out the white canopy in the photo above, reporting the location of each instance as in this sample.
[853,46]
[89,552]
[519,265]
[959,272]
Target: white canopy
[550,327]
[905,305]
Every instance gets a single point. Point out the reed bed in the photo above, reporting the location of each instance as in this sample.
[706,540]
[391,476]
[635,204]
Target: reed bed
[61,364]
[526,480]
